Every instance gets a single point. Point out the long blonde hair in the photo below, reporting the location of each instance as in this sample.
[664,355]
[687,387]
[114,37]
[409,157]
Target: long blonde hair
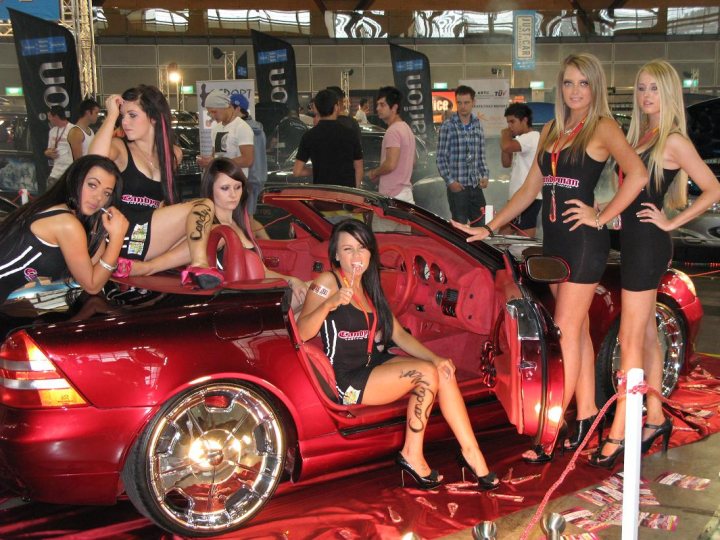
[672,120]
[590,67]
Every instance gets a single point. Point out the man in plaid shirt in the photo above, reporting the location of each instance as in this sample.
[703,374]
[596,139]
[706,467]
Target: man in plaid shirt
[461,160]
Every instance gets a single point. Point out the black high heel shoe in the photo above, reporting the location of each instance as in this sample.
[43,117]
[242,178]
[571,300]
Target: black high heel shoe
[607,462]
[484,483]
[541,456]
[431,481]
[664,430]
[582,427]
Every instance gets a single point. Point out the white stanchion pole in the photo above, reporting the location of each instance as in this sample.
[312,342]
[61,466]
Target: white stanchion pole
[633,438]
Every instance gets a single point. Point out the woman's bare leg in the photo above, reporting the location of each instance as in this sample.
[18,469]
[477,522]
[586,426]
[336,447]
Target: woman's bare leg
[572,303]
[192,220]
[394,379]
[637,314]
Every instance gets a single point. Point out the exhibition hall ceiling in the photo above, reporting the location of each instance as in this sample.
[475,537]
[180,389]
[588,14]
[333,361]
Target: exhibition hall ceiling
[402,5]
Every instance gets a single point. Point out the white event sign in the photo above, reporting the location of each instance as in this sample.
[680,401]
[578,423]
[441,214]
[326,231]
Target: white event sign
[491,99]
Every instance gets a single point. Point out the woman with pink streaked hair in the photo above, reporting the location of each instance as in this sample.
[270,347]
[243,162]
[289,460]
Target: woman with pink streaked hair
[148,158]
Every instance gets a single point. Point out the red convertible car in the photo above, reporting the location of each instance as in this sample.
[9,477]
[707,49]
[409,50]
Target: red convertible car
[197,404]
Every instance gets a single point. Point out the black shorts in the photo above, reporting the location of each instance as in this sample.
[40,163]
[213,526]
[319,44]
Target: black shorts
[351,384]
[137,238]
[528,219]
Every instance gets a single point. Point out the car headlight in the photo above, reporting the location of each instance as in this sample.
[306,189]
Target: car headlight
[685,279]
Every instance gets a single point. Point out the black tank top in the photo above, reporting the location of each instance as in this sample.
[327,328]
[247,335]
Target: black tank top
[585,249]
[141,195]
[344,334]
[645,249]
[24,257]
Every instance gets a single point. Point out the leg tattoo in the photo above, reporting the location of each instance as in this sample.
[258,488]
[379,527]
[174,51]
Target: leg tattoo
[203,219]
[424,398]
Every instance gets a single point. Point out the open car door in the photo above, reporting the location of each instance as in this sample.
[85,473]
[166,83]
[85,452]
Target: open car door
[525,361]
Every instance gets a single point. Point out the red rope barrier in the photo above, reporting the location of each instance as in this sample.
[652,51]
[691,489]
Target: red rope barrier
[642,388]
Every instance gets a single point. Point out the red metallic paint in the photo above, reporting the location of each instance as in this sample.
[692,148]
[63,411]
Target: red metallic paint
[128,362]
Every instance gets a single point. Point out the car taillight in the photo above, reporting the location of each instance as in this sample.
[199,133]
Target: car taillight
[29,379]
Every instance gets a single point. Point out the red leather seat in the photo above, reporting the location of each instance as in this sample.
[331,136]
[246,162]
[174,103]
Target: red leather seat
[239,263]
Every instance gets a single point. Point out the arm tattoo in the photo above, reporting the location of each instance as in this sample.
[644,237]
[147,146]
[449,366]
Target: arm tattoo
[424,398]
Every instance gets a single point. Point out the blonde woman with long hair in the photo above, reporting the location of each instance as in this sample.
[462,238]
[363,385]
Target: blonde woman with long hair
[658,134]
[571,154]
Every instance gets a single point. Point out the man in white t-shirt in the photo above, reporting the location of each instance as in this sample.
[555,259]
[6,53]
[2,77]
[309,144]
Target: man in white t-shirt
[231,136]
[82,134]
[518,145]
[58,149]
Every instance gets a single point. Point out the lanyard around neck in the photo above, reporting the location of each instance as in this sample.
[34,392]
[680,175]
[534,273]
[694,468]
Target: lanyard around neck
[555,154]
[554,157]
[59,136]
[371,328]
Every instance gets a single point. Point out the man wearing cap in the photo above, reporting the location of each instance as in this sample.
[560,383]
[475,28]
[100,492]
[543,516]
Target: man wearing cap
[231,136]
[258,170]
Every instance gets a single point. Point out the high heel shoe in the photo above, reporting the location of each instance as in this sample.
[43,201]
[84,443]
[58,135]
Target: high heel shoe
[541,456]
[431,481]
[205,278]
[582,427]
[664,430]
[484,483]
[607,462]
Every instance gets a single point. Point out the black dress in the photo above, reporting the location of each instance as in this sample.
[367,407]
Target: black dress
[344,334]
[645,249]
[585,249]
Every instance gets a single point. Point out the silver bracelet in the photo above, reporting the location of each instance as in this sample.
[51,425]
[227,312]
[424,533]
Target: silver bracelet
[597,221]
[106,266]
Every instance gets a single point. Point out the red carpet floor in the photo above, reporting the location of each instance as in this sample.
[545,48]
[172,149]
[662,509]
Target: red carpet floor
[372,504]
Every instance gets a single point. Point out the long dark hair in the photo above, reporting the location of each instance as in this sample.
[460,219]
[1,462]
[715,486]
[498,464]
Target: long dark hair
[227,166]
[153,103]
[371,276]
[68,190]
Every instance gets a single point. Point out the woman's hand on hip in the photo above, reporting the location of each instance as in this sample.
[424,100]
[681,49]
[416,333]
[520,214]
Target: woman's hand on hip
[651,214]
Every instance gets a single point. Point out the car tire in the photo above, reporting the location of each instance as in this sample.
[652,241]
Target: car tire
[673,339]
[208,461]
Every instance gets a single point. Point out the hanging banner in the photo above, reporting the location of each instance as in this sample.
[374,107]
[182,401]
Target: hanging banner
[241,67]
[44,9]
[49,71]
[411,72]
[492,96]
[524,40]
[245,87]
[275,70]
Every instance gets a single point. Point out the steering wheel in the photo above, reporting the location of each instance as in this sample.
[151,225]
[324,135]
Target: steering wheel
[396,277]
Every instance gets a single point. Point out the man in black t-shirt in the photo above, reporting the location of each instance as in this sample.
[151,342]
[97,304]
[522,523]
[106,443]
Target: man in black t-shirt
[333,149]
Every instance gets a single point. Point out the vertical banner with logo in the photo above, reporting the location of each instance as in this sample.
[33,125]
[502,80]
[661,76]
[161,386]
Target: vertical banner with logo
[241,67]
[245,87]
[275,70]
[524,40]
[492,96]
[411,71]
[49,71]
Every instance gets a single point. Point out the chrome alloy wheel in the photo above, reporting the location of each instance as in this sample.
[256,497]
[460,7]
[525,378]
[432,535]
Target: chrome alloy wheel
[213,459]
[671,336]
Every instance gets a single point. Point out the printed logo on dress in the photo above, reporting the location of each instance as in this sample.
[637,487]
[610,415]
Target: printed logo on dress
[560,181]
[30,274]
[352,336]
[140,201]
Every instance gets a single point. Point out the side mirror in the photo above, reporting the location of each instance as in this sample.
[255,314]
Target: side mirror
[546,269]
